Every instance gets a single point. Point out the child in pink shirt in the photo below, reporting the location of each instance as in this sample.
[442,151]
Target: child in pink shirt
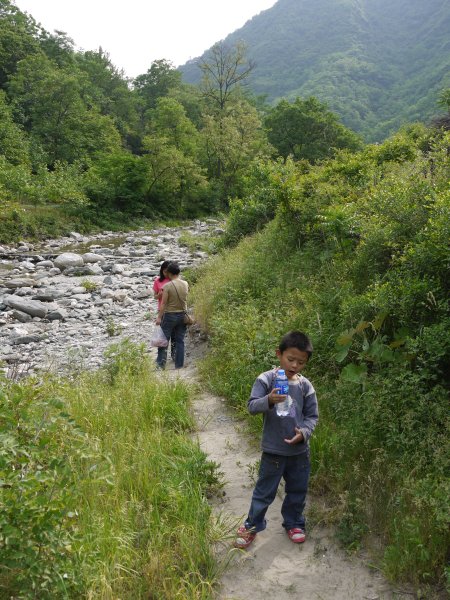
[160,282]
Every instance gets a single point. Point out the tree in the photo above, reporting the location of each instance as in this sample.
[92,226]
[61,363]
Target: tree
[156,83]
[232,139]
[306,129]
[18,38]
[169,120]
[108,90]
[49,103]
[223,69]
[13,142]
[174,179]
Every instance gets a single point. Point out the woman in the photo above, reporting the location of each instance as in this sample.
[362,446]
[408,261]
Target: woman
[158,285]
[171,315]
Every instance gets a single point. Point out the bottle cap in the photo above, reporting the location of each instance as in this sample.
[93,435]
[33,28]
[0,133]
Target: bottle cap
[281,372]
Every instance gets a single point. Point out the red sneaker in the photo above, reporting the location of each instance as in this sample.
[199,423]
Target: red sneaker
[296,535]
[244,537]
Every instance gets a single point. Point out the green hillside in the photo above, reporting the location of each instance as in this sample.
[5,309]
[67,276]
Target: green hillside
[378,63]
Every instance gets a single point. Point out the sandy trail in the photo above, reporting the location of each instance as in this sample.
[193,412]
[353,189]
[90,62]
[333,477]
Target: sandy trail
[273,567]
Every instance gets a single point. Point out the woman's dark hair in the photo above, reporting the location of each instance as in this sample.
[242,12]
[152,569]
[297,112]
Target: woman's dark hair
[163,267]
[296,339]
[173,268]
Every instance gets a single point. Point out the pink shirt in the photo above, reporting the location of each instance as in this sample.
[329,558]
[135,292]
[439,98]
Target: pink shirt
[158,286]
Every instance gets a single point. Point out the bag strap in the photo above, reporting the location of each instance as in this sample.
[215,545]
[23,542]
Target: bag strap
[184,309]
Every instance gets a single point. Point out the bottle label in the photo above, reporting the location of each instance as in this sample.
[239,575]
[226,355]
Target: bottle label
[283,386]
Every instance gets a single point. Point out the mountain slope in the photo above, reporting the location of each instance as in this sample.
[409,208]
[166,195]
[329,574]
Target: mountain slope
[378,63]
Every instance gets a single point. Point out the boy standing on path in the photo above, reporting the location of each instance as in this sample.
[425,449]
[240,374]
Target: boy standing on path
[285,447]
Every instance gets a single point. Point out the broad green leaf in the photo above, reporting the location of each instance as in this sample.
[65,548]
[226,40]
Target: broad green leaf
[354,373]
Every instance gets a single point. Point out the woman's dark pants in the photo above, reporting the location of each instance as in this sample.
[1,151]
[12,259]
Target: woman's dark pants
[173,326]
[295,472]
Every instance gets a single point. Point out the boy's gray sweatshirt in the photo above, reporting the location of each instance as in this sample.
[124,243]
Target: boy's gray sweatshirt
[304,414]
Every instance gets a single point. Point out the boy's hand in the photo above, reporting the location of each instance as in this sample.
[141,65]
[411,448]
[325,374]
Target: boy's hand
[298,437]
[275,398]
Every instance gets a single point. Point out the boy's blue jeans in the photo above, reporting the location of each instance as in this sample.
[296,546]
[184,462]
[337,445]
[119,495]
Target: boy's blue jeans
[295,472]
[173,326]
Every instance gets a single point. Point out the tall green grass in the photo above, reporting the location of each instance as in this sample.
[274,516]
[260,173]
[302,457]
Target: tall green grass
[132,519]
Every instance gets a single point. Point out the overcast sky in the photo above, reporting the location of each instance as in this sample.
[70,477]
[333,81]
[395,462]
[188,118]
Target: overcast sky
[137,32]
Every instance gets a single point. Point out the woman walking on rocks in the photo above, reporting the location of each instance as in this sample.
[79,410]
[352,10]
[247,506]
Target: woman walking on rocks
[171,315]
[158,285]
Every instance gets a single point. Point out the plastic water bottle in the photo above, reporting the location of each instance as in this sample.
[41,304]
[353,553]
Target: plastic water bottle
[281,382]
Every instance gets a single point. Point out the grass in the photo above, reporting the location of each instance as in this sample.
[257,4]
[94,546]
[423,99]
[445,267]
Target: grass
[141,524]
[378,453]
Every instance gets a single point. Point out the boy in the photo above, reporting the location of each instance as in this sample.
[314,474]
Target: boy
[285,448]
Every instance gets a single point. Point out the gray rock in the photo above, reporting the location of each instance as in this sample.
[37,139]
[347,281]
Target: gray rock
[117,268]
[45,264]
[108,280]
[144,294]
[106,293]
[54,271]
[48,295]
[91,257]
[20,316]
[19,283]
[29,266]
[57,315]
[68,260]
[105,251]
[76,236]
[27,339]
[31,307]
[93,269]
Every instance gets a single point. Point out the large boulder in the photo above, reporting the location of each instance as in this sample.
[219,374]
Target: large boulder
[35,308]
[68,260]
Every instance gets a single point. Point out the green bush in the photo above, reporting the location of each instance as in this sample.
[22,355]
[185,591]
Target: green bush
[41,449]
[357,256]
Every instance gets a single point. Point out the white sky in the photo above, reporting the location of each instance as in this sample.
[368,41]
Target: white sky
[137,32]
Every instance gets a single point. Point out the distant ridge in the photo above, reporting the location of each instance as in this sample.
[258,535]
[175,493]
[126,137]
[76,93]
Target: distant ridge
[377,63]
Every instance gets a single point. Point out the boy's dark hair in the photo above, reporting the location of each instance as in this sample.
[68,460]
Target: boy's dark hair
[296,339]
[174,268]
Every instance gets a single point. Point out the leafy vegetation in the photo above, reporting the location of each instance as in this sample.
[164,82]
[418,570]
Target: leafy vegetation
[103,494]
[376,64]
[356,254]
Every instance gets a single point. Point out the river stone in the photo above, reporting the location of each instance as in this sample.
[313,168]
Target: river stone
[27,339]
[31,307]
[106,293]
[120,295]
[117,268]
[93,269]
[76,236]
[57,315]
[19,283]
[20,316]
[105,251]
[29,266]
[68,260]
[91,257]
[48,295]
[54,271]
[45,263]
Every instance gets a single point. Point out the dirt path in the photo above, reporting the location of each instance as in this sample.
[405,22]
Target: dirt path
[273,567]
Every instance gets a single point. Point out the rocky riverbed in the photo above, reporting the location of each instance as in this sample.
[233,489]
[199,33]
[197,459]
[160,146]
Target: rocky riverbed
[62,303]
